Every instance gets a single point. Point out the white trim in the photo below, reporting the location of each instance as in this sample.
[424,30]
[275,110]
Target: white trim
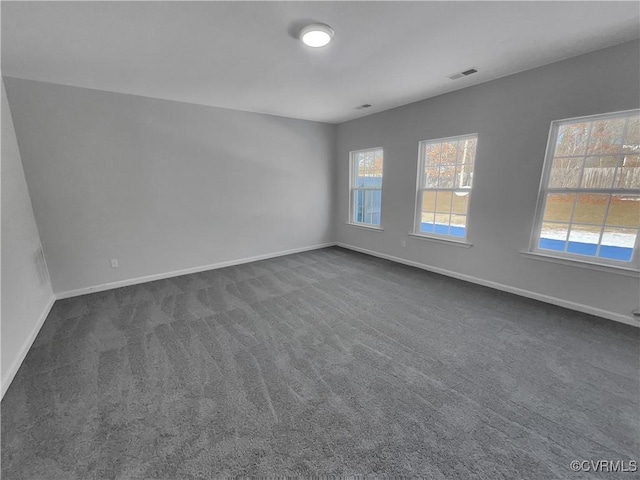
[420,188]
[628,272]
[598,116]
[630,320]
[368,150]
[365,226]
[445,240]
[544,190]
[186,271]
[17,362]
[352,169]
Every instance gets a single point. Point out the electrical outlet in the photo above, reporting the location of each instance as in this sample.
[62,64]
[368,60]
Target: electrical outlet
[114,263]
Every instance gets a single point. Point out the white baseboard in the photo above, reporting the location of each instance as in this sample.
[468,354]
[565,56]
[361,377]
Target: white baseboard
[505,288]
[11,373]
[186,271]
[468,278]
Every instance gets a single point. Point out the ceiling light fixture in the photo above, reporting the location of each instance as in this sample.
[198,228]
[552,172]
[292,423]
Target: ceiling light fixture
[316,35]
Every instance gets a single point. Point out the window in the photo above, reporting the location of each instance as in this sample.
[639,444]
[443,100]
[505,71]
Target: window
[366,187]
[445,174]
[589,202]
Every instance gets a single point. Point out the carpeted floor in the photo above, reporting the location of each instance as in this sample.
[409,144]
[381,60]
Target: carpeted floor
[323,363]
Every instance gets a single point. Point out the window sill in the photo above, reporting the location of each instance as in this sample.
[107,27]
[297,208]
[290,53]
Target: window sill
[628,272]
[446,241]
[366,227]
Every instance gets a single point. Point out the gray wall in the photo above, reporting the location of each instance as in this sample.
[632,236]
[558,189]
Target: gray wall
[163,186]
[25,295]
[512,116]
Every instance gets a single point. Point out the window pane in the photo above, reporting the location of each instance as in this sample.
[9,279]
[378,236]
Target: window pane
[458,225]
[624,211]
[355,158]
[363,166]
[367,163]
[372,207]
[583,239]
[464,175]
[558,207]
[427,222]
[447,176]
[553,236]
[628,174]
[467,151]
[427,225]
[460,202]
[428,201]
[378,162]
[367,206]
[565,172]
[601,155]
[448,165]
[590,209]
[431,177]
[632,139]
[606,136]
[366,188]
[369,182]
[618,243]
[364,182]
[442,223]
[358,206]
[432,152]
[427,212]
[443,202]
[368,172]
[599,172]
[442,218]
[449,153]
[572,139]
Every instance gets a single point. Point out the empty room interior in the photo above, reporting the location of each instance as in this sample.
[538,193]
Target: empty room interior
[320,239]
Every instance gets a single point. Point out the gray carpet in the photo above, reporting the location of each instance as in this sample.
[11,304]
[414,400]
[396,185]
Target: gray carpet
[322,363]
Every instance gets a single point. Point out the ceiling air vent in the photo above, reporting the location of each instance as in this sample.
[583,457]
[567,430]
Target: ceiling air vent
[467,72]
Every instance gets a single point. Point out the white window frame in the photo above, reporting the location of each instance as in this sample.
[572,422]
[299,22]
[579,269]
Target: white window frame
[353,189]
[417,219]
[544,190]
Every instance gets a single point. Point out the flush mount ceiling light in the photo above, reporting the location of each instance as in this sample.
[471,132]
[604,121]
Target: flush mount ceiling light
[316,35]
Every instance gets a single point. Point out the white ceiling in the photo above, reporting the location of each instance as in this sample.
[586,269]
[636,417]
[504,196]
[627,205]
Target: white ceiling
[245,55]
